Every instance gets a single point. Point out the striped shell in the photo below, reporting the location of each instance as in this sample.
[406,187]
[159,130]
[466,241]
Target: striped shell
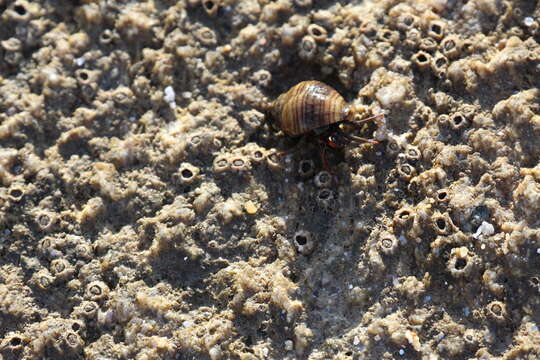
[307,106]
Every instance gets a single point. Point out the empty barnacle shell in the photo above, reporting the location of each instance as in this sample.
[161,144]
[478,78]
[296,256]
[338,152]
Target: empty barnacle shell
[317,32]
[303,242]
[458,121]
[211,6]
[257,155]
[306,167]
[187,173]
[436,29]
[16,193]
[422,59]
[14,342]
[442,196]
[442,223]
[404,216]
[461,262]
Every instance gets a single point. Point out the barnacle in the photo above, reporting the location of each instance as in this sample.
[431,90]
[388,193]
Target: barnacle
[303,242]
[387,243]
[97,290]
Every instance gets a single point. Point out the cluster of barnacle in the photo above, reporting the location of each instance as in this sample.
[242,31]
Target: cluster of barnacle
[89,71]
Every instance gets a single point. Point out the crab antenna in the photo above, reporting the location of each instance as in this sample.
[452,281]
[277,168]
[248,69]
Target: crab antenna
[358,122]
[358,139]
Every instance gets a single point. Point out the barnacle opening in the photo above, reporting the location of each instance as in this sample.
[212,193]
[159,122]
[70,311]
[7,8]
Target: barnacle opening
[306,168]
[324,194]
[323,179]
[44,220]
[15,341]
[441,224]
[460,263]
[16,194]
[300,239]
[187,174]
[442,195]
[258,154]
[19,9]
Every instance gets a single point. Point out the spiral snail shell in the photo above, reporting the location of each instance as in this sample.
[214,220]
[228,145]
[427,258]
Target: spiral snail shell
[312,108]
[307,106]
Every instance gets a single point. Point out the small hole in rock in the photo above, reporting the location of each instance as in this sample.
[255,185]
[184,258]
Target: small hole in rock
[83,75]
[76,326]
[442,195]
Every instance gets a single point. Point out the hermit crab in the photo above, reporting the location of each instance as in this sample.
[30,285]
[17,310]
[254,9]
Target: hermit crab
[314,109]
